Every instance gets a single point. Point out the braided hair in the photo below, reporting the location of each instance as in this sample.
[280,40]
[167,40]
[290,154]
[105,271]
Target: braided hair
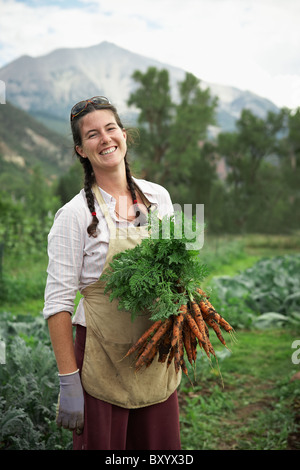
[89,176]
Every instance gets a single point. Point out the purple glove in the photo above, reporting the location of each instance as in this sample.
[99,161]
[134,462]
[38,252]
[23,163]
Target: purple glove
[70,402]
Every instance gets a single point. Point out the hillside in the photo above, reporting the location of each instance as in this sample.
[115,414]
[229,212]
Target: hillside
[26,143]
[47,86]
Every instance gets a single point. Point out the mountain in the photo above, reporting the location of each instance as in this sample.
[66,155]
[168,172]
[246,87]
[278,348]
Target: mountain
[48,86]
[26,143]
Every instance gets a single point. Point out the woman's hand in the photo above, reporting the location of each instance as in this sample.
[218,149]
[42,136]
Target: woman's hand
[70,407]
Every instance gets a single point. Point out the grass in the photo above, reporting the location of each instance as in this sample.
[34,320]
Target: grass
[255,409]
[23,285]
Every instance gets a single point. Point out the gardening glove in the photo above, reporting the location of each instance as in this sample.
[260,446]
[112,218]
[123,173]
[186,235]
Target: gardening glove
[70,405]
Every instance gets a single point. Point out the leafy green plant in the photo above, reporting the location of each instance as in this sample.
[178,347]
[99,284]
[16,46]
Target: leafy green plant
[17,289]
[29,389]
[266,294]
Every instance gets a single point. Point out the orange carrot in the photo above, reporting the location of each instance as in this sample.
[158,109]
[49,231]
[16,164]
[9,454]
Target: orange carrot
[202,293]
[181,356]
[177,360]
[177,325]
[209,310]
[216,329]
[198,318]
[201,325]
[164,346]
[193,345]
[171,356]
[210,347]
[188,343]
[194,327]
[183,367]
[227,327]
[149,358]
[153,341]
[144,337]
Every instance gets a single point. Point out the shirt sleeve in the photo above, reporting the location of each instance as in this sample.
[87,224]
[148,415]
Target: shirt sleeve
[65,252]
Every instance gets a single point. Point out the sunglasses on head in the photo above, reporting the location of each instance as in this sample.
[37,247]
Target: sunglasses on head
[79,107]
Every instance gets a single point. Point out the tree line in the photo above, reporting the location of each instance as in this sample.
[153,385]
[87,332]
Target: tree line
[259,189]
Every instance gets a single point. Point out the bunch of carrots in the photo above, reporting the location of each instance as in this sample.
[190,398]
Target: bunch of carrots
[179,334]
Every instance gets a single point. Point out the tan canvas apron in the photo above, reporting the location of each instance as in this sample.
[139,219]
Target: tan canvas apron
[110,333]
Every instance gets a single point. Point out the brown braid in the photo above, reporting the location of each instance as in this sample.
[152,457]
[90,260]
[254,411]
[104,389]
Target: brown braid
[131,187]
[90,179]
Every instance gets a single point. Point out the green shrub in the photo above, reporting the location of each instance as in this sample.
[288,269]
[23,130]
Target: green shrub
[264,295]
[29,388]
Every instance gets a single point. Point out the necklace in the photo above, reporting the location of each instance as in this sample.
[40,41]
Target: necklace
[129,219]
[133,217]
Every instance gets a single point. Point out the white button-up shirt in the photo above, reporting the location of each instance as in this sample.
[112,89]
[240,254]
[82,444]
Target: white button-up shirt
[76,260]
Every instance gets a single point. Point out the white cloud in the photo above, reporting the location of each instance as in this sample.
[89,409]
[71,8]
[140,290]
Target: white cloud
[250,44]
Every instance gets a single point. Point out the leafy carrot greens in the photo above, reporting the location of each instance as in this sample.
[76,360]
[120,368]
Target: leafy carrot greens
[158,273]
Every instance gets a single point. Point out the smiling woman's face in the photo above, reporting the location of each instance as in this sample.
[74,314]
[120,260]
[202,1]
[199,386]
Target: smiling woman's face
[103,141]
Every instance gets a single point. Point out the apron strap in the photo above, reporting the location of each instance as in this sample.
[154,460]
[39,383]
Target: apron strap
[100,200]
[104,208]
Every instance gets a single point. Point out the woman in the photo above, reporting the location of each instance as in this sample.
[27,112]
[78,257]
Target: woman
[108,406]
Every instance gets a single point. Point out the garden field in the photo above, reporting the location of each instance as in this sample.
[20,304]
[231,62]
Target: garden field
[248,400]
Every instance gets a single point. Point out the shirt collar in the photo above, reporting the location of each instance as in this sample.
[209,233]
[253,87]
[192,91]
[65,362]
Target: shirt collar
[107,197]
[110,200]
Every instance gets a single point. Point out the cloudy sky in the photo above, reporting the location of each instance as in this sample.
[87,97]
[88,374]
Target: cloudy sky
[250,44]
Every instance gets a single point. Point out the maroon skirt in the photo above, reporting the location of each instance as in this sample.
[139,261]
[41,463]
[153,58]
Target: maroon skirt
[110,427]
